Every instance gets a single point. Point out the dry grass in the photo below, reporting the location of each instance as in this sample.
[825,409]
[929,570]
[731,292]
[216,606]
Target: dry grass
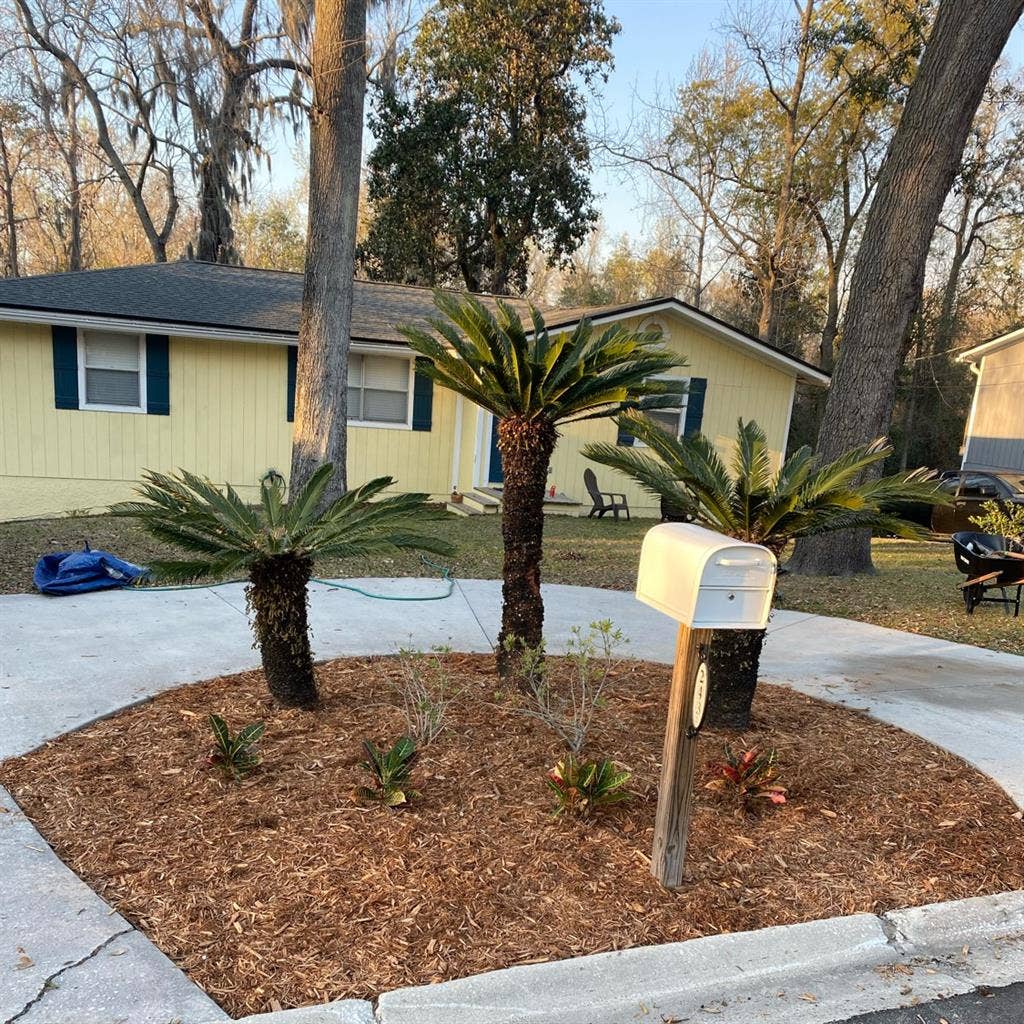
[284,890]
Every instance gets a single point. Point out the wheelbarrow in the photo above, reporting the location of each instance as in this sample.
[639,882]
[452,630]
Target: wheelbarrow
[989,564]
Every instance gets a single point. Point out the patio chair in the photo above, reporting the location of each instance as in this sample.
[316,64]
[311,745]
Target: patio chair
[989,564]
[615,504]
[672,513]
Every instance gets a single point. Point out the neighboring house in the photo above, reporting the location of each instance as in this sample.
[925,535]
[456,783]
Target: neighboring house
[994,438]
[104,373]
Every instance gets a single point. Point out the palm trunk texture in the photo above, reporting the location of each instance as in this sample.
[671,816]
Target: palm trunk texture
[526,447]
[918,171]
[277,597]
[733,666]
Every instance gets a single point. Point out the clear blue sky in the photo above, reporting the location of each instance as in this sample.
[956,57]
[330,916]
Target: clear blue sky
[658,41]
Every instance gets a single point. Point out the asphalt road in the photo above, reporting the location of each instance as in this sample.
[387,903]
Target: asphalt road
[983,1006]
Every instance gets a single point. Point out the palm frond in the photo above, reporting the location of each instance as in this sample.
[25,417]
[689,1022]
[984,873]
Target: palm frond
[227,537]
[804,498]
[510,369]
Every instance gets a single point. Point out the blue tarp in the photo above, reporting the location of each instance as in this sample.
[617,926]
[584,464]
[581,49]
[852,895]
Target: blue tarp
[77,572]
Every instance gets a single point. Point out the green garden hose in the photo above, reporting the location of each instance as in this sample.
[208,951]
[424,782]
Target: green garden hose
[446,578]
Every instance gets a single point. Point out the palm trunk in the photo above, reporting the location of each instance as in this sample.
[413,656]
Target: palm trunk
[526,447]
[733,666]
[277,599]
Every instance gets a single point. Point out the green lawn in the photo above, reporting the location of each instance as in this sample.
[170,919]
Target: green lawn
[914,589]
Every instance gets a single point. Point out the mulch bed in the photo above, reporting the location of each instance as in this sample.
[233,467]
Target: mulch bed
[284,891]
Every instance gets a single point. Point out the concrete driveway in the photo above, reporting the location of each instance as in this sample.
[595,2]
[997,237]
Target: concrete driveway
[66,957]
[66,661]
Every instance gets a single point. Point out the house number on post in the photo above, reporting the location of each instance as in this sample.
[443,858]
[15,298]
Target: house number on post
[704,581]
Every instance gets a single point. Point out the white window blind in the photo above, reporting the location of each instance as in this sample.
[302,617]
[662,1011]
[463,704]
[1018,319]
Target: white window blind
[670,420]
[112,369]
[378,389]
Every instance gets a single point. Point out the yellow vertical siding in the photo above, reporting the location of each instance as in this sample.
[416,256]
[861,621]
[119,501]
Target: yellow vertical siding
[228,421]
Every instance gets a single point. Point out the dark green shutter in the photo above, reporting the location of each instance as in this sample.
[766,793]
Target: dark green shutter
[422,398]
[293,366]
[158,375]
[695,406]
[65,367]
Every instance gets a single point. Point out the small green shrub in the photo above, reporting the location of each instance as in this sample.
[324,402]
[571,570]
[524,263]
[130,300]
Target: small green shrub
[391,771]
[568,706]
[750,775]
[1002,521]
[427,692]
[235,756]
[581,786]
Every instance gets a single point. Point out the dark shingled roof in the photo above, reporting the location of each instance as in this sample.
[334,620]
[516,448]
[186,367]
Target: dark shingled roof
[216,297]
[211,295]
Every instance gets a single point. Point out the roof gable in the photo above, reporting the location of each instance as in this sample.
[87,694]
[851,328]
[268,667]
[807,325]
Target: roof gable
[724,332]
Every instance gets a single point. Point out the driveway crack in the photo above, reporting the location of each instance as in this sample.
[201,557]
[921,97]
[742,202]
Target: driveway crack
[48,983]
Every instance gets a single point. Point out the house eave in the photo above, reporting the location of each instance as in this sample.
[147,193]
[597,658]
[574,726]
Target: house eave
[178,328]
[729,335]
[972,355]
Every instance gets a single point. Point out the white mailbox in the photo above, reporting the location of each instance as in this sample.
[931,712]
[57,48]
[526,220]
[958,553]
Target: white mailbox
[704,579]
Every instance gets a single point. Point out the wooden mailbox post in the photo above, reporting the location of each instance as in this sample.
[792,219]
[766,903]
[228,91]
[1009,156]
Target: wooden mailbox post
[705,581]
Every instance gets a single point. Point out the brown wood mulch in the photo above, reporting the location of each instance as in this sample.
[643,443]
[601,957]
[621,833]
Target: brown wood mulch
[285,891]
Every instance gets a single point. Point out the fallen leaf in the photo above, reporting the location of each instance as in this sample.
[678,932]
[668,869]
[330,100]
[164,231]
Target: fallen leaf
[828,813]
[808,998]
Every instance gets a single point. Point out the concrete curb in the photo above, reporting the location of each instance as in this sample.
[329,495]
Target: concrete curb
[66,956]
[345,1011]
[809,973]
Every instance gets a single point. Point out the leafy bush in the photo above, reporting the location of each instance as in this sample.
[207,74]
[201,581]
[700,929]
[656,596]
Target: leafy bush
[749,775]
[581,785]
[391,771]
[568,706]
[1002,521]
[425,686]
[235,756]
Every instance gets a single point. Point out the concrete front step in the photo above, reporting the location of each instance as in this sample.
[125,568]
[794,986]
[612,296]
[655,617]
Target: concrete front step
[482,502]
[488,501]
[460,508]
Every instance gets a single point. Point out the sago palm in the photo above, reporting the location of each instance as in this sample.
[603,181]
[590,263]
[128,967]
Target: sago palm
[532,381]
[275,543]
[750,501]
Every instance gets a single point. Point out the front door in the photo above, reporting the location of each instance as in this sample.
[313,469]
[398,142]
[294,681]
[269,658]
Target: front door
[495,474]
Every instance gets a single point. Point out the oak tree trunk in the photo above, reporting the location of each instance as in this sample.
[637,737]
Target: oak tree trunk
[732,676]
[526,447]
[277,598]
[335,159]
[916,175]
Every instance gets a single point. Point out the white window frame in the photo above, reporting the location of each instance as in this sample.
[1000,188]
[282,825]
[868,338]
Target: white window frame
[637,443]
[96,407]
[380,424]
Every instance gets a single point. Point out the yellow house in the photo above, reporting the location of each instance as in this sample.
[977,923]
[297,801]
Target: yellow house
[104,373]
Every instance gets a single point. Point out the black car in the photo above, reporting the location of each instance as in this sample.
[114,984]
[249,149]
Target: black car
[969,489]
